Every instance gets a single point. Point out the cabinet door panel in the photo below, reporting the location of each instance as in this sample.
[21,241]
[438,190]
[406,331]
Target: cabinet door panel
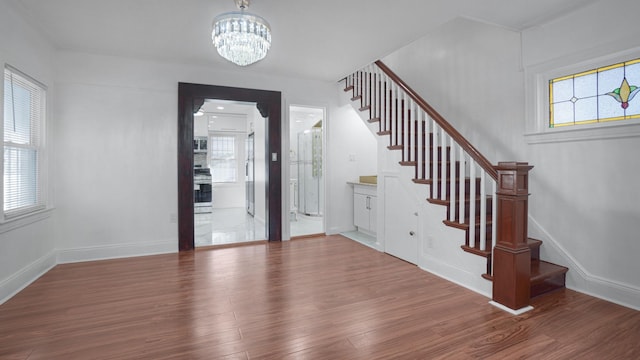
[360,211]
[373,214]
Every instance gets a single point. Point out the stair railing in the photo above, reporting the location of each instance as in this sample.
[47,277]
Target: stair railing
[456,172]
[436,149]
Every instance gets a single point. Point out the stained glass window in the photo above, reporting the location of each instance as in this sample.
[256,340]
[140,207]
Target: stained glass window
[599,95]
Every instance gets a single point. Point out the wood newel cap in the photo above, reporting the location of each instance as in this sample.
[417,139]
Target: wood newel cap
[513,178]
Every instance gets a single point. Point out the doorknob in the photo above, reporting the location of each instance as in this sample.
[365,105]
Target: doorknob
[411,233]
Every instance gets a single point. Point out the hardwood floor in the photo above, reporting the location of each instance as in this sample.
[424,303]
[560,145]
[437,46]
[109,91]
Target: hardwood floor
[317,298]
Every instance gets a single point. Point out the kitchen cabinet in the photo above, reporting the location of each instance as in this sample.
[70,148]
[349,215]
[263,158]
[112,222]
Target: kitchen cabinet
[365,208]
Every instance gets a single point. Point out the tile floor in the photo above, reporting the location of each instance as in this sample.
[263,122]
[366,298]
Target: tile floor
[227,226]
[234,225]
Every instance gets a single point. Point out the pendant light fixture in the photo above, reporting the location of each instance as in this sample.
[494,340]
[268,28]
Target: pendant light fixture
[241,37]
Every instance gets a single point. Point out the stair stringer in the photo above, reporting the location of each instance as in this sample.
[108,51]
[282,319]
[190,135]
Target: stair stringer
[438,248]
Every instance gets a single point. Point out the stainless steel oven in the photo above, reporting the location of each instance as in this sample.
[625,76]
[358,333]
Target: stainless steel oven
[202,194]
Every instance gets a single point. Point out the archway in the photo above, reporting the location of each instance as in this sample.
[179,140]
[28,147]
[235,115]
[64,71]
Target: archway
[190,98]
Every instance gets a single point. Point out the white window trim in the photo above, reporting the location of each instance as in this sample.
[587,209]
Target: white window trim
[537,101]
[24,220]
[43,211]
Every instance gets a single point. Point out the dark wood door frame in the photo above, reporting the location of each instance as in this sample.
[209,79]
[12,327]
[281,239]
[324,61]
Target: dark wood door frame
[269,103]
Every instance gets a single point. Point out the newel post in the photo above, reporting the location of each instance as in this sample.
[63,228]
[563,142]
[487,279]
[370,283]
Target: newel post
[511,255]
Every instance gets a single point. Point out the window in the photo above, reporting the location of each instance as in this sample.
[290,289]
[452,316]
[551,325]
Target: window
[224,164]
[603,94]
[24,109]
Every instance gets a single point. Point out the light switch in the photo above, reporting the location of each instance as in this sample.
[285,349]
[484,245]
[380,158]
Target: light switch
[274,156]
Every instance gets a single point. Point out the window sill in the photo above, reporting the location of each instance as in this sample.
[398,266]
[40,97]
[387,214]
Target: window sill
[24,220]
[584,134]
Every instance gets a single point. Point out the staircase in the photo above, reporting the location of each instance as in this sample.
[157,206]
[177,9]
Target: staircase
[487,202]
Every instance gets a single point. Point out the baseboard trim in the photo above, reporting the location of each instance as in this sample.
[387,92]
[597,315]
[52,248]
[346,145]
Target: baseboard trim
[593,285]
[28,274]
[455,275]
[116,251]
[337,230]
[511,311]
[32,272]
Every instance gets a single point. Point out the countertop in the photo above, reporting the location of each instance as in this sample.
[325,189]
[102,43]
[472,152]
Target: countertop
[361,183]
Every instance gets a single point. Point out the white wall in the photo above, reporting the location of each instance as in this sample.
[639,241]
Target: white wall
[351,151]
[123,113]
[29,250]
[584,201]
[470,73]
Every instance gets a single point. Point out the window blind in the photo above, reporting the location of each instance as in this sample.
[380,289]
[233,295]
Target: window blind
[224,166]
[24,104]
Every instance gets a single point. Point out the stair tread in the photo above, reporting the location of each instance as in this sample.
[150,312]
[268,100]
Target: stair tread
[407,163]
[534,242]
[483,253]
[541,270]
[467,198]
[438,201]
[465,226]
[457,179]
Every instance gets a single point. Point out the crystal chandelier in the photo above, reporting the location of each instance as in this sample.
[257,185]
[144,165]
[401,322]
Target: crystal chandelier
[241,37]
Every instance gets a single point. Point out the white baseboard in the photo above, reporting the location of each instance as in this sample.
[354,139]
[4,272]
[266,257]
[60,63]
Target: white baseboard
[511,311]
[336,230]
[473,282]
[28,274]
[115,251]
[581,280]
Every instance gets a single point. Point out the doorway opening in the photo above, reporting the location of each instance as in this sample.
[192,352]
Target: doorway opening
[306,182]
[191,98]
[229,173]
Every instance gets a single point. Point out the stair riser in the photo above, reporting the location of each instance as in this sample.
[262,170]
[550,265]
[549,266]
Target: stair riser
[467,210]
[436,190]
[422,172]
[476,242]
[550,284]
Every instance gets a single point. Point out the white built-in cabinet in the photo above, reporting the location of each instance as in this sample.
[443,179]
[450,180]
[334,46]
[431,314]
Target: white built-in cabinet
[364,208]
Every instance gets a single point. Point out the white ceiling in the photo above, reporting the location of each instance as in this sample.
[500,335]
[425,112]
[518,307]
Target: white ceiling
[320,39]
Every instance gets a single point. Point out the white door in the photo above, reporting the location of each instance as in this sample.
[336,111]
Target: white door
[401,222]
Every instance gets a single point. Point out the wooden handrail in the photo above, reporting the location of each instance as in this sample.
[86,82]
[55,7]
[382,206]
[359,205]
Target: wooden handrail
[466,145]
